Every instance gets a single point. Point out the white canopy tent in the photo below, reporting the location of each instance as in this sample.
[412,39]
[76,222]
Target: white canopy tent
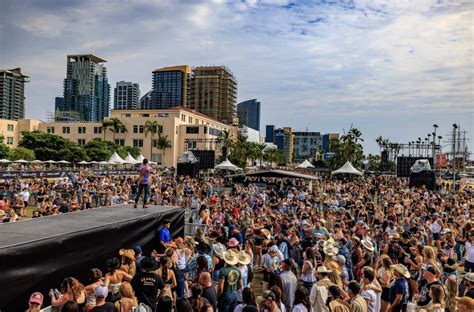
[116,159]
[63,162]
[21,161]
[140,159]
[83,162]
[305,164]
[50,161]
[37,161]
[348,169]
[4,161]
[227,165]
[130,160]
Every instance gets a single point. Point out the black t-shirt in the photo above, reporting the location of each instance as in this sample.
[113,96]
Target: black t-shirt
[147,286]
[470,293]
[424,292]
[211,295]
[107,307]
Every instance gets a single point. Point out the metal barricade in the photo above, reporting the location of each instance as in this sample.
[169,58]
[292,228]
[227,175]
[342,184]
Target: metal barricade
[190,228]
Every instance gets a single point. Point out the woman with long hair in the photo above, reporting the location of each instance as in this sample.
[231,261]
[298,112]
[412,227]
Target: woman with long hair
[307,272]
[127,301]
[197,301]
[183,305]
[437,299]
[429,258]
[414,261]
[115,277]
[279,297]
[452,289]
[71,290]
[248,298]
[95,279]
[167,274]
[302,303]
[384,276]
[128,261]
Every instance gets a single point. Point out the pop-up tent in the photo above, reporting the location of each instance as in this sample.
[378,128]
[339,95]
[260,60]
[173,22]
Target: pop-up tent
[139,159]
[348,169]
[305,164]
[130,160]
[116,159]
[227,165]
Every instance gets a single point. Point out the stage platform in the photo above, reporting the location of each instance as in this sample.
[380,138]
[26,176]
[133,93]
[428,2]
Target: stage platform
[36,254]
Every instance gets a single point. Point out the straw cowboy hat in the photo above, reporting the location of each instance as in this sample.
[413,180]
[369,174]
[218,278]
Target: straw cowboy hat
[127,253]
[330,251]
[244,258]
[339,305]
[400,268]
[219,249]
[265,233]
[230,258]
[323,269]
[329,243]
[355,238]
[368,245]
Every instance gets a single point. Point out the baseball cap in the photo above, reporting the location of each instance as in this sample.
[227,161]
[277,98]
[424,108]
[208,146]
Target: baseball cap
[343,240]
[267,295]
[36,297]
[137,249]
[430,269]
[101,292]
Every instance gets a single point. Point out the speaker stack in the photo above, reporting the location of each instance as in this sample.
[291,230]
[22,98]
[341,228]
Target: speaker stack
[207,158]
[404,164]
[188,169]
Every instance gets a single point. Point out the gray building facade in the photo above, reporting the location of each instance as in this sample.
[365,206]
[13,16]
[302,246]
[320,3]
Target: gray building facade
[248,113]
[86,89]
[306,145]
[126,95]
[12,93]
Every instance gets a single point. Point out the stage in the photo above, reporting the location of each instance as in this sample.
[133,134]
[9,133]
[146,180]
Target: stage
[36,254]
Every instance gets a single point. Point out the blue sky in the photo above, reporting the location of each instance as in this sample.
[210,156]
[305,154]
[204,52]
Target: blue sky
[388,67]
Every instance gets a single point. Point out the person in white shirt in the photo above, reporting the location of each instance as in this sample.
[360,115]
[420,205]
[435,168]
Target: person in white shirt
[289,282]
[469,261]
[25,196]
[371,290]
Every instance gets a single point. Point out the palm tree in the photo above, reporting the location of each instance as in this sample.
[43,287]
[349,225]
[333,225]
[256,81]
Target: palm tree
[163,144]
[260,150]
[153,127]
[226,138]
[106,123]
[116,125]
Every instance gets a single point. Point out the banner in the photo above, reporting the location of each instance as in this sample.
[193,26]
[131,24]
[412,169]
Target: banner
[441,161]
[59,173]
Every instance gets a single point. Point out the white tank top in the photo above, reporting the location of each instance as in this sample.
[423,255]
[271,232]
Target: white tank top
[435,227]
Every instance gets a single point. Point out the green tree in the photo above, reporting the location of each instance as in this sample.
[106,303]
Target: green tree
[106,124]
[4,151]
[347,148]
[163,144]
[153,128]
[225,138]
[99,150]
[124,150]
[74,154]
[22,153]
[116,126]
[46,146]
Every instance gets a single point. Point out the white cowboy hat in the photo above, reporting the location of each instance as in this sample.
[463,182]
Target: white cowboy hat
[330,251]
[323,269]
[244,258]
[219,249]
[368,245]
[230,258]
[400,268]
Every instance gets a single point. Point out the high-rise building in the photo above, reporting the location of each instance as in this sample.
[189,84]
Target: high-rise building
[214,92]
[12,93]
[306,145]
[146,100]
[283,139]
[170,87]
[59,104]
[249,114]
[326,141]
[126,95]
[269,133]
[86,89]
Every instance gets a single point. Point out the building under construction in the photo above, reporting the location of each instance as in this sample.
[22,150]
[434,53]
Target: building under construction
[213,92]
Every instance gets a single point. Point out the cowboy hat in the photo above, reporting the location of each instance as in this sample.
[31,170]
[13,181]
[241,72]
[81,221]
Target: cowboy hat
[340,306]
[400,268]
[355,238]
[368,245]
[323,269]
[233,242]
[469,277]
[112,264]
[127,253]
[330,251]
[219,249]
[244,258]
[149,264]
[230,258]
[265,233]
[329,243]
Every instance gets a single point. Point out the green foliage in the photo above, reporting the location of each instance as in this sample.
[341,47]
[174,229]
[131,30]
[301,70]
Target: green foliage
[347,148]
[99,150]
[320,163]
[35,139]
[124,150]
[4,151]
[22,153]
[74,154]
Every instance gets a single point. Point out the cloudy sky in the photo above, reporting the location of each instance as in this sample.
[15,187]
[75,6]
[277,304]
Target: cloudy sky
[387,67]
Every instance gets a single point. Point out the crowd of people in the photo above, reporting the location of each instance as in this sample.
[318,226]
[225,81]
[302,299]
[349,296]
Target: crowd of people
[368,244]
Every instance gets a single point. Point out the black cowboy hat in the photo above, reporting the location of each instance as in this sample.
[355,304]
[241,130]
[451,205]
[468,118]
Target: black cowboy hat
[149,264]
[112,264]
[203,248]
